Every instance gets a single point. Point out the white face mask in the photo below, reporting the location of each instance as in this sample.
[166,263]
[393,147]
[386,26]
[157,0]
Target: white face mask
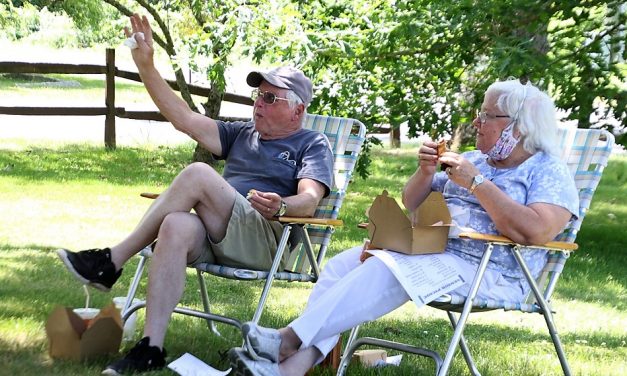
[505,145]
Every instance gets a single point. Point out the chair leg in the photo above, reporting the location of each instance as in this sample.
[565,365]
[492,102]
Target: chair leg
[546,312]
[463,317]
[354,343]
[132,289]
[346,357]
[275,266]
[204,295]
[464,347]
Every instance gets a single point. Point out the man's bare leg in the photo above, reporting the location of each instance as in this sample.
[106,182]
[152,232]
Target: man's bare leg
[182,238]
[197,185]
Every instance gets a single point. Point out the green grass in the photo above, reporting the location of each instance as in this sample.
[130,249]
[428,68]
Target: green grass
[81,196]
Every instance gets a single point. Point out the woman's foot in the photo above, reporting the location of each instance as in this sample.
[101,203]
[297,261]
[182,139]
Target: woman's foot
[243,365]
[261,343]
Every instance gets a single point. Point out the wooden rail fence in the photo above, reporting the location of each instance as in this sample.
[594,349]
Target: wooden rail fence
[109,110]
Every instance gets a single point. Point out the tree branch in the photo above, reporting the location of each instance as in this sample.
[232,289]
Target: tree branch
[168,46]
[127,12]
[586,46]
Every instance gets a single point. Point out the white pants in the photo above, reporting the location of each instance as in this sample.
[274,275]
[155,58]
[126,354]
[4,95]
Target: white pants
[350,293]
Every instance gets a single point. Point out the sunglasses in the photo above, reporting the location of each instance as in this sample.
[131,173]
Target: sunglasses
[266,96]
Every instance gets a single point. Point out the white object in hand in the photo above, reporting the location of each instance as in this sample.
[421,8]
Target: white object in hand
[131,42]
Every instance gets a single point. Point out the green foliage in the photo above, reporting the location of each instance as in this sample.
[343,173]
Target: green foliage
[88,16]
[422,63]
[207,33]
[20,19]
[18,23]
[428,63]
[588,62]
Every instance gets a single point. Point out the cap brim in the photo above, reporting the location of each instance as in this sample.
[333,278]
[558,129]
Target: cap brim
[254,79]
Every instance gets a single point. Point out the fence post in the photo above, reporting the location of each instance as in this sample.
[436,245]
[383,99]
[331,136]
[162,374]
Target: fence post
[109,134]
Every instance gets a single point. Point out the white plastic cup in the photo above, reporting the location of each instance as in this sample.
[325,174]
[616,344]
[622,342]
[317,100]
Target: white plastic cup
[87,314]
[130,323]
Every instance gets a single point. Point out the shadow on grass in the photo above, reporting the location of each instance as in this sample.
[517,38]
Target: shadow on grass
[596,272]
[31,291]
[33,280]
[85,162]
[488,344]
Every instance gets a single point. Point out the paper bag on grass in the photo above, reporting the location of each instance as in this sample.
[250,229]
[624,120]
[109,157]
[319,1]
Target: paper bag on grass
[390,228]
[370,358]
[70,338]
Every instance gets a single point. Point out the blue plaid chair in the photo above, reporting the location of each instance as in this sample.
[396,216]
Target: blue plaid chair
[586,152]
[346,137]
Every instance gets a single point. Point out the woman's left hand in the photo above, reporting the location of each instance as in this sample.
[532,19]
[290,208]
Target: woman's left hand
[461,171]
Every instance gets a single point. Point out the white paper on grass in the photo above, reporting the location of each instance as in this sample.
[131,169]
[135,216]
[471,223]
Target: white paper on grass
[389,361]
[189,365]
[394,360]
[426,280]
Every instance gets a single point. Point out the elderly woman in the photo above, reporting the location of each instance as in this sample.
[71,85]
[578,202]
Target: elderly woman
[511,185]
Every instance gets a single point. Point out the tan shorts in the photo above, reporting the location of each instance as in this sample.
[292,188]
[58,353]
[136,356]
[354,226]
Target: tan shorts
[250,241]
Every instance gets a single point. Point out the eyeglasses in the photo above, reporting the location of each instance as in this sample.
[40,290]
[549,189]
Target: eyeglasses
[484,116]
[266,96]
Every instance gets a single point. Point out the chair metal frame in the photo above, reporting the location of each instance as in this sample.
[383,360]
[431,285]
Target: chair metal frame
[586,152]
[346,137]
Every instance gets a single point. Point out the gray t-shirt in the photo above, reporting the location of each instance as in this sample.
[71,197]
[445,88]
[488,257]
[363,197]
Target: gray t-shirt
[273,165]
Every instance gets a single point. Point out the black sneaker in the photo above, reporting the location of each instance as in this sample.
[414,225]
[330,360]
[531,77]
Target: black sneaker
[92,267]
[141,358]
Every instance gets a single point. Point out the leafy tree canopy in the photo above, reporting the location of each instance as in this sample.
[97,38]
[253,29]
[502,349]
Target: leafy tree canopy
[427,63]
[421,62]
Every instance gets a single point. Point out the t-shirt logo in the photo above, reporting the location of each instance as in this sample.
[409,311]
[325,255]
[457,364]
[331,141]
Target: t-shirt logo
[286,157]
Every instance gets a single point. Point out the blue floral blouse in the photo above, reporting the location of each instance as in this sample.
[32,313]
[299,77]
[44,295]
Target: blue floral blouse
[541,178]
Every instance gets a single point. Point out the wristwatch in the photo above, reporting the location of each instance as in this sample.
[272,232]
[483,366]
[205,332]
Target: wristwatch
[282,209]
[476,181]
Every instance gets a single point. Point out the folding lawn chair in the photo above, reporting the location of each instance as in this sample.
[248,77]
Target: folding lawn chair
[586,151]
[346,137]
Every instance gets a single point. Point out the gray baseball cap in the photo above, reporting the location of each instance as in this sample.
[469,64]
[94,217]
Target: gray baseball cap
[285,78]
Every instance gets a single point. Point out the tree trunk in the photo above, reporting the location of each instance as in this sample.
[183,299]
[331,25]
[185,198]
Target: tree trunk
[395,137]
[464,134]
[212,110]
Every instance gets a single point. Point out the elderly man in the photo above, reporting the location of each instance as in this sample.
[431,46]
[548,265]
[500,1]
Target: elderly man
[282,168]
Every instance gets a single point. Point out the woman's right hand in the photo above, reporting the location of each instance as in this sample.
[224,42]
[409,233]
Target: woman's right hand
[428,157]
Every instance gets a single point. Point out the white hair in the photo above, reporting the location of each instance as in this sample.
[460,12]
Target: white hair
[294,100]
[532,110]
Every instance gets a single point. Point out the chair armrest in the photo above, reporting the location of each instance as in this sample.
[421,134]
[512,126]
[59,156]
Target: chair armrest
[554,245]
[297,220]
[312,221]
